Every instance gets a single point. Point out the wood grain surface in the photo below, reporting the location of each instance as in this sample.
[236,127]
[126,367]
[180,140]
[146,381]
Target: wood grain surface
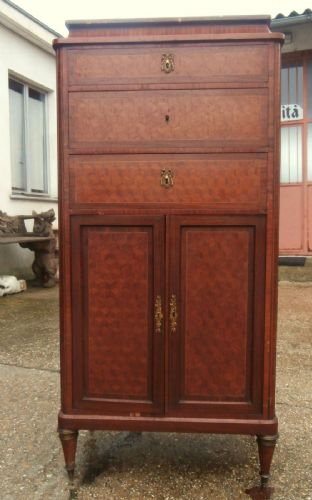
[211,239]
[215,63]
[214,180]
[217,266]
[118,263]
[185,119]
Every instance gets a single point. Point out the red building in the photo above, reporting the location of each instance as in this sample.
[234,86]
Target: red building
[296,133]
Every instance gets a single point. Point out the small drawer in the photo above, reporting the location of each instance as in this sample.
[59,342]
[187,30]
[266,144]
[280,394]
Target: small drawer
[168,64]
[215,180]
[162,119]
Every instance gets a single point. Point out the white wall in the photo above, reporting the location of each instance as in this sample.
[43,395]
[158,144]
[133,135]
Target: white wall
[34,65]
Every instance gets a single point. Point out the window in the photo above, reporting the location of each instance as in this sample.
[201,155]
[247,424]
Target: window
[296,120]
[309,139]
[292,93]
[309,71]
[291,154]
[28,139]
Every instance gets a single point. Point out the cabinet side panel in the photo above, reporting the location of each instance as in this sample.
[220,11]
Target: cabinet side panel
[272,249]
[64,233]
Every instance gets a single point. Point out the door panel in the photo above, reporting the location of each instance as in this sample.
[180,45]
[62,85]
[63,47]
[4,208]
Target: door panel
[310,217]
[291,218]
[115,284]
[216,350]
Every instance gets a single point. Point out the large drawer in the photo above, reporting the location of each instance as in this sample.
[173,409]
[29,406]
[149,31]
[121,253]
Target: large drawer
[214,180]
[191,64]
[178,119]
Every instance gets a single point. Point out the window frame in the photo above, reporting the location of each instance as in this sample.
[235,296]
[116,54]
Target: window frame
[300,57]
[27,190]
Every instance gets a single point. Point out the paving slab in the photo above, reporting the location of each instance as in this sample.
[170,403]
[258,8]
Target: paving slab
[137,466]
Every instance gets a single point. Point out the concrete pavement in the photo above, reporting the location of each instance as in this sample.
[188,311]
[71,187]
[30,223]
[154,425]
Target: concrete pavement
[121,465]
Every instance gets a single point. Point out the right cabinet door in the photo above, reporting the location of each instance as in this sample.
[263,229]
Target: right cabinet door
[216,315]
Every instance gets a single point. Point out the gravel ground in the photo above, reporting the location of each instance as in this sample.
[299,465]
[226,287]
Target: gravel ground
[121,465]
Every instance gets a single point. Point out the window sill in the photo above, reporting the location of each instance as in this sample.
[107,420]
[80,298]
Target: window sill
[32,197]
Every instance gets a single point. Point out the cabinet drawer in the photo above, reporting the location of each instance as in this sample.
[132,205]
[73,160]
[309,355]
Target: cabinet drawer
[219,180]
[202,63]
[151,120]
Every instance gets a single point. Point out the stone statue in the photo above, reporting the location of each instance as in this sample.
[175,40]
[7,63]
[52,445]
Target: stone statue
[45,263]
[41,241]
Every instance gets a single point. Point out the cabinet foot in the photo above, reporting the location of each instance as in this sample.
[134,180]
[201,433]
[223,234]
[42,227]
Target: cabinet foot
[266,446]
[69,443]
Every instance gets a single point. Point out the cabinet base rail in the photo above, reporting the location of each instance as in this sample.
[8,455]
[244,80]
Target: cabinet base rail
[265,430]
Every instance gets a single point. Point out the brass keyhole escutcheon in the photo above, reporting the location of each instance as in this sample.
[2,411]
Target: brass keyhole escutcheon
[167,63]
[166,178]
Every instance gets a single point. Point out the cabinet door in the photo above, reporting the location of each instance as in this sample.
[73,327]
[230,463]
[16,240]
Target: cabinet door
[216,347]
[117,276]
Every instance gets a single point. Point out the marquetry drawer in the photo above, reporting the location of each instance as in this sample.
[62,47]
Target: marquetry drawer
[173,180]
[168,64]
[214,119]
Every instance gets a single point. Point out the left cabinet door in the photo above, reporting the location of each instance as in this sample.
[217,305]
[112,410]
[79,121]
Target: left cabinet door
[117,299]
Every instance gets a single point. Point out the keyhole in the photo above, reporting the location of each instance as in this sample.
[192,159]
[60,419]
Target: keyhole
[167,180]
[167,118]
[167,65]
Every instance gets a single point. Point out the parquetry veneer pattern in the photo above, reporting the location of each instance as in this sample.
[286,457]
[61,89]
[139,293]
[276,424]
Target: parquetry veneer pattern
[168,151]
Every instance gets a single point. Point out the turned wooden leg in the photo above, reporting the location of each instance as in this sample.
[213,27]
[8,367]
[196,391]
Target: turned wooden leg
[266,445]
[69,443]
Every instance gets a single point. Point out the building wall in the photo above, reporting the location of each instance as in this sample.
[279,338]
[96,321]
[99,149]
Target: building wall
[25,52]
[296,195]
[301,38]
[34,65]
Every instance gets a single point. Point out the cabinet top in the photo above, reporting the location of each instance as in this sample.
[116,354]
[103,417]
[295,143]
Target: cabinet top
[87,23]
[168,29]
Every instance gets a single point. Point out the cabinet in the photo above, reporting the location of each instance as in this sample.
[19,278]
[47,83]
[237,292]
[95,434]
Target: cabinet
[168,151]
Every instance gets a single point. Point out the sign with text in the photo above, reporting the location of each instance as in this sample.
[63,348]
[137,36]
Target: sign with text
[291,112]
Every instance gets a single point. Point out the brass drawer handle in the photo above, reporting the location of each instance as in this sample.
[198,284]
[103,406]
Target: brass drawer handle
[158,315]
[167,63]
[173,314]
[166,178]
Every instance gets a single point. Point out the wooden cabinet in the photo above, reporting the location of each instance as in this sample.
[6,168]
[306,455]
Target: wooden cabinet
[168,150]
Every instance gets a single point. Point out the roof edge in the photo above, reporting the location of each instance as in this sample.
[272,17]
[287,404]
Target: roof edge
[32,18]
[291,21]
